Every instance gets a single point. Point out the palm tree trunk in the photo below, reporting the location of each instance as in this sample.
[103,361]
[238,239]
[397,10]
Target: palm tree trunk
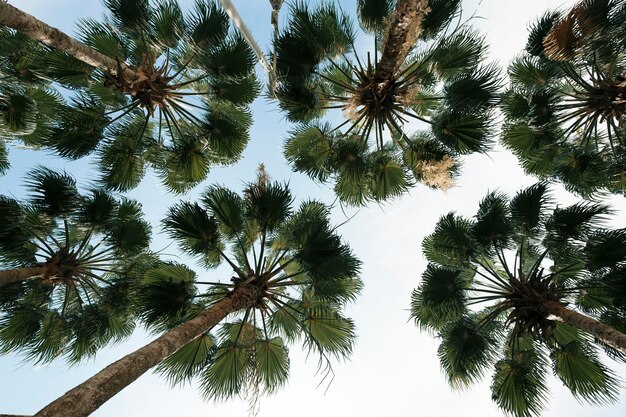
[10,276]
[401,36]
[91,394]
[601,331]
[14,18]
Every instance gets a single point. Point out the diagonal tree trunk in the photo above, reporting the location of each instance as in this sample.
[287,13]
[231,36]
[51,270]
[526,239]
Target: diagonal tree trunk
[91,394]
[401,36]
[10,276]
[601,331]
[14,18]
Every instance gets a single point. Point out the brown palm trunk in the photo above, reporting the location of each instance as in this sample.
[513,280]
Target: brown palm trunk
[401,36]
[14,18]
[10,276]
[601,331]
[91,394]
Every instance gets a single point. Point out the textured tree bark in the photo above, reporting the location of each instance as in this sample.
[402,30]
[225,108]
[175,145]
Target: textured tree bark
[14,18]
[22,274]
[601,331]
[401,36]
[91,394]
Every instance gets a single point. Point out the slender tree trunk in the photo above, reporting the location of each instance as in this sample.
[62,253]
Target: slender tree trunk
[22,274]
[232,12]
[601,331]
[91,394]
[401,35]
[14,18]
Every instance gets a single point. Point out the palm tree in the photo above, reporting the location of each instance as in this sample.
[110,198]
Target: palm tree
[152,86]
[66,260]
[421,70]
[291,277]
[520,285]
[565,107]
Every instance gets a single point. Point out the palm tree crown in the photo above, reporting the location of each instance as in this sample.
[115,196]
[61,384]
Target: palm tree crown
[303,272]
[66,261]
[549,283]
[155,87]
[421,69]
[565,107]
[291,277]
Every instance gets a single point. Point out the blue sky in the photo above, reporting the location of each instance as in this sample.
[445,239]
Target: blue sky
[394,370]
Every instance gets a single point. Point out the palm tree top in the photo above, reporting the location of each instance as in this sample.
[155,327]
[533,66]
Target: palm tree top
[66,262]
[152,85]
[519,285]
[298,271]
[565,106]
[421,69]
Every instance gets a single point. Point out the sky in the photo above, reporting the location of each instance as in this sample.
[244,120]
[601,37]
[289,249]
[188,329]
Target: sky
[394,370]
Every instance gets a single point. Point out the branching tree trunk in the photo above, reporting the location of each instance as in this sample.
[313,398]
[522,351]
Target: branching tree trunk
[14,18]
[401,36]
[601,331]
[87,397]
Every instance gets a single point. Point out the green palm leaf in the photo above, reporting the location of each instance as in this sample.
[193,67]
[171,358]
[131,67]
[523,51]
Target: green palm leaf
[191,226]
[493,221]
[102,38]
[373,14]
[18,112]
[462,132]
[122,156]
[474,89]
[459,52]
[186,163]
[465,351]
[518,385]
[52,192]
[327,331]
[389,179]
[441,14]
[440,298]
[528,208]
[227,128]
[450,244]
[267,204]
[580,370]
[606,248]
[239,91]
[232,58]
[80,131]
[184,365]
[208,24]
[308,150]
[535,148]
[168,23]
[166,295]
[130,16]
[272,363]
[227,207]
[226,375]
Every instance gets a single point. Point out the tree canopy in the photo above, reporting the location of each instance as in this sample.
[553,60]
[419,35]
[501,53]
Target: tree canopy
[521,285]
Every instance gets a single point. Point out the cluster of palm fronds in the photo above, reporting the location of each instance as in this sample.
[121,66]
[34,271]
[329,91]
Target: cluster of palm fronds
[440,81]
[565,107]
[522,287]
[170,92]
[524,263]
